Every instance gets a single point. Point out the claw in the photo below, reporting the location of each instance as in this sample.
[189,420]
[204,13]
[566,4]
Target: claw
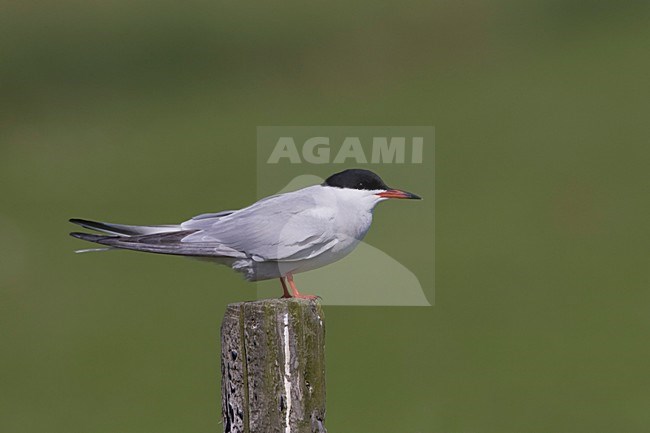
[311,297]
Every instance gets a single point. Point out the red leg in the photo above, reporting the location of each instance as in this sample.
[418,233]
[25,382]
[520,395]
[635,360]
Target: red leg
[294,289]
[284,288]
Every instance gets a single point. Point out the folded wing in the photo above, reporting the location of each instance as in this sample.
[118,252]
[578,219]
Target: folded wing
[284,227]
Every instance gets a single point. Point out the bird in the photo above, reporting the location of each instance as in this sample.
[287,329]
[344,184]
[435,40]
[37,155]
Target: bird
[275,237]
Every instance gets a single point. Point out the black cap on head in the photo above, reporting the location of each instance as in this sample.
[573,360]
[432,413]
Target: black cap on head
[356,178]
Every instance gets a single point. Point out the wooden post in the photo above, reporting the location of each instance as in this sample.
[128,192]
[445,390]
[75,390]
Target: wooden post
[273,367]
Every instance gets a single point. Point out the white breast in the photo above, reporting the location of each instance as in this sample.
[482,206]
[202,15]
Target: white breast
[353,216]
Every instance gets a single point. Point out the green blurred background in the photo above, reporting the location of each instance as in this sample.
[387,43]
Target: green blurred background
[117,110]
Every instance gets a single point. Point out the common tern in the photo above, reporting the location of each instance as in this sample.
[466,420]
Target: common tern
[275,237]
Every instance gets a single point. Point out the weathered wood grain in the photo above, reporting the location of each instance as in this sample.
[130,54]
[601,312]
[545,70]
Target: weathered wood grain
[273,367]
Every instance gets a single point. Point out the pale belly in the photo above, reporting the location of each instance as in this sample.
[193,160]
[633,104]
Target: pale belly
[328,257]
[256,271]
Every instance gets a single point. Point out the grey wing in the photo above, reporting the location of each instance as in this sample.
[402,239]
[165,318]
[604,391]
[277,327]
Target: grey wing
[163,243]
[284,227]
[206,220]
[156,239]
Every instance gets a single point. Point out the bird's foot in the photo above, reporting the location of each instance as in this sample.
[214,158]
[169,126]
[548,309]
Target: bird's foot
[299,296]
[294,290]
[311,297]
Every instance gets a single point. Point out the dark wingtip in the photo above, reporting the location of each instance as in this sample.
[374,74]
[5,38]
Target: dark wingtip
[97,226]
[87,236]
